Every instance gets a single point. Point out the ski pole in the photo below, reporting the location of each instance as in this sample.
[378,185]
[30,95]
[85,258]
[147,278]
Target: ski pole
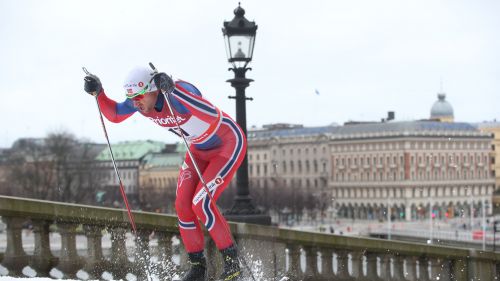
[122,190]
[198,172]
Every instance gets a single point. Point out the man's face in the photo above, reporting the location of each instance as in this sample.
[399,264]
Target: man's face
[145,103]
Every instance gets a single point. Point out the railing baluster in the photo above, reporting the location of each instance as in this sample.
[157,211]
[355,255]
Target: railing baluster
[459,271]
[15,259]
[142,256]
[327,264]
[166,268]
[311,272]
[342,265]
[398,267]
[357,264]
[411,268]
[43,260]
[95,264]
[120,265]
[371,267]
[440,269]
[69,261]
[294,270]
[385,266]
[423,269]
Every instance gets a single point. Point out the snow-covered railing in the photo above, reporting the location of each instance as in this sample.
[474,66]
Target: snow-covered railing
[271,253]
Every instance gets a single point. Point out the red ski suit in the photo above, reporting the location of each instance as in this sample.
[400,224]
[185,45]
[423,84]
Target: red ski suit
[218,146]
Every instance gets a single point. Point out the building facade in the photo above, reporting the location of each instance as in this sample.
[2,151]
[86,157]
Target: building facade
[158,175]
[418,168]
[494,129]
[128,156]
[285,155]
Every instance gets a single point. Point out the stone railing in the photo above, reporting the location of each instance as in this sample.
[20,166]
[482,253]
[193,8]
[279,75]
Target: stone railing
[59,231]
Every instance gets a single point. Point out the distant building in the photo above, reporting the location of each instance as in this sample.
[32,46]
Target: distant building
[363,166]
[128,156]
[410,166]
[158,173]
[494,129]
[282,155]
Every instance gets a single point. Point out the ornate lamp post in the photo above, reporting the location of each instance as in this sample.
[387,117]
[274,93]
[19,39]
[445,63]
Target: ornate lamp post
[239,35]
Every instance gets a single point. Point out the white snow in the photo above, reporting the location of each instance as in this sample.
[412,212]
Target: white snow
[6,278]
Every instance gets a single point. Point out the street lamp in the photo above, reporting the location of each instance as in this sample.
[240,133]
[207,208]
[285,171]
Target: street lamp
[239,36]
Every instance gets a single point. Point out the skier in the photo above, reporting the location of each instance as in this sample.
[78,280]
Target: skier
[216,142]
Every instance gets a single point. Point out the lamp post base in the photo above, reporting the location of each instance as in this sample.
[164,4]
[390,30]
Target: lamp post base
[244,211]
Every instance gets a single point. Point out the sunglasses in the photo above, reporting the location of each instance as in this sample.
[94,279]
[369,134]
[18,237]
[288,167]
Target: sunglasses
[139,95]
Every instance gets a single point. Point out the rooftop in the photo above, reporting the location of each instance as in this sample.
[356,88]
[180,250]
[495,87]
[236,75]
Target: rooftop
[131,150]
[155,160]
[403,127]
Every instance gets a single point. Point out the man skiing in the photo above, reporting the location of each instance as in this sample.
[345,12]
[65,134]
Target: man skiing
[216,142]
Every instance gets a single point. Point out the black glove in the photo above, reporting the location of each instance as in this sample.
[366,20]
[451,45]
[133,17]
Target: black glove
[164,82]
[92,84]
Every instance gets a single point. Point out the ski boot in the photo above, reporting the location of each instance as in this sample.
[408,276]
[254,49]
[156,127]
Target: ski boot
[232,270]
[198,270]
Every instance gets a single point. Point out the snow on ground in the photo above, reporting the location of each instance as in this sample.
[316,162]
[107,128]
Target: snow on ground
[5,278]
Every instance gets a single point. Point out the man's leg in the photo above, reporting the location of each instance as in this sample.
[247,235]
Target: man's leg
[206,209]
[189,226]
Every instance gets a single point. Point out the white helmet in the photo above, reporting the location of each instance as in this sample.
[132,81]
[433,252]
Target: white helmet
[139,81]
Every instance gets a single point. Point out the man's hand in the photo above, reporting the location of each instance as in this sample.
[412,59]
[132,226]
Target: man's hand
[164,82]
[92,84]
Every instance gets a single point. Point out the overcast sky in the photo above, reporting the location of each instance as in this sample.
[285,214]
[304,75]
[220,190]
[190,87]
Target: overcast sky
[364,57]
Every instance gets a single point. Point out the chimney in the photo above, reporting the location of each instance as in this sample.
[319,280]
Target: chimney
[390,115]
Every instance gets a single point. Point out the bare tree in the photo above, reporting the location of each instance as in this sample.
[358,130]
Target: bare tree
[58,167]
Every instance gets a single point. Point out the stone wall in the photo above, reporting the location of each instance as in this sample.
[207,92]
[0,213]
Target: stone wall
[271,252]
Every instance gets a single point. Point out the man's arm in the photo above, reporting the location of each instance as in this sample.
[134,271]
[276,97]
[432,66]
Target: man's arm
[115,112]
[191,97]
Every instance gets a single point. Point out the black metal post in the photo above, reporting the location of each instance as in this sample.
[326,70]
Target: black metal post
[243,209]
[495,229]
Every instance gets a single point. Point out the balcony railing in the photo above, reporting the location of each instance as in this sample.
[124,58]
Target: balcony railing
[270,252]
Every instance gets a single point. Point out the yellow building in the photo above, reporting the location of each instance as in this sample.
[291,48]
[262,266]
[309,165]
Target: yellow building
[158,180]
[494,129]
